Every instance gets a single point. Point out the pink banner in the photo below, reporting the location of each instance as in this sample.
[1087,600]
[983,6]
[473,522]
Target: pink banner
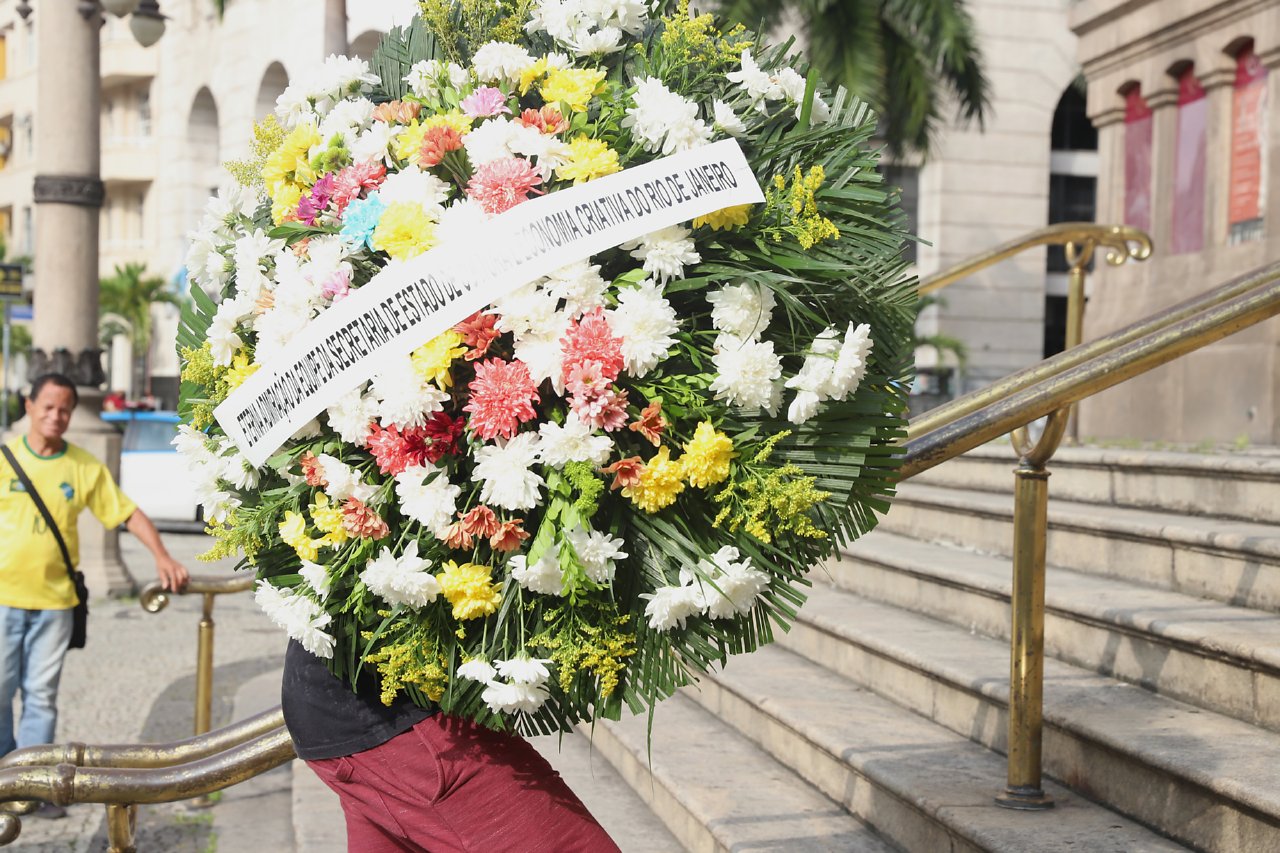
[1137,161]
[1248,127]
[1189,166]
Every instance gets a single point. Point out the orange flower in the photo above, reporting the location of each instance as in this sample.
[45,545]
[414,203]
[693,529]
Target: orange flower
[509,536]
[312,471]
[480,522]
[650,424]
[477,332]
[548,120]
[359,519]
[396,111]
[457,537]
[438,141]
[626,472]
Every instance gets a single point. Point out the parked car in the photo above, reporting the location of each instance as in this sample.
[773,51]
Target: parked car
[152,473]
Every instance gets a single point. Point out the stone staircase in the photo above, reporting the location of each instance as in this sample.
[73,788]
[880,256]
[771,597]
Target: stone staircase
[878,722]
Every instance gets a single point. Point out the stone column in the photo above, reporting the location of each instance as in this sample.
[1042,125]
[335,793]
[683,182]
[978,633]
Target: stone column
[1218,86]
[1164,141]
[68,195]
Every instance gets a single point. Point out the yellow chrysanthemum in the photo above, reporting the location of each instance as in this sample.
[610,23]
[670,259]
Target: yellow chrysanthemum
[404,231]
[470,589]
[433,359]
[588,158]
[327,517]
[706,457]
[284,202]
[290,163]
[531,74]
[574,87]
[240,370]
[459,121]
[293,532]
[659,484]
[726,218]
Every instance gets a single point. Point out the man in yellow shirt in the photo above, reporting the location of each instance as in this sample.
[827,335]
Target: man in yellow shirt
[36,593]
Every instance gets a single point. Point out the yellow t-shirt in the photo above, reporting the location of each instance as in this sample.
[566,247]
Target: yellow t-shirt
[33,575]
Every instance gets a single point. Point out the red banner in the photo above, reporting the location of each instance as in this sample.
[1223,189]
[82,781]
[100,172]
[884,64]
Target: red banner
[1189,166]
[1248,128]
[1137,161]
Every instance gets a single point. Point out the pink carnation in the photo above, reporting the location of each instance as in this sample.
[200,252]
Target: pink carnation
[607,411]
[591,340]
[485,101]
[500,185]
[502,395]
[348,184]
[337,285]
[587,380]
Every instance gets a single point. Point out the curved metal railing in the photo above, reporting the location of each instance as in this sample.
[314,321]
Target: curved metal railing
[123,777]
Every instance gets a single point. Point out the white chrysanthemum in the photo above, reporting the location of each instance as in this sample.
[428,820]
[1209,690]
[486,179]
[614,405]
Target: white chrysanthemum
[739,583]
[222,337]
[523,669]
[757,83]
[670,606]
[646,322]
[747,372]
[413,185]
[547,150]
[401,580]
[542,354]
[374,144]
[665,252]
[405,398]
[460,225]
[505,471]
[193,445]
[300,617]
[851,363]
[352,416]
[477,670]
[347,118]
[662,120]
[742,310]
[511,698]
[428,78]
[235,468]
[572,442]
[342,481]
[603,41]
[498,61]
[427,496]
[727,120]
[579,284]
[491,140]
[597,552]
[218,504]
[813,380]
[530,310]
[293,106]
[543,576]
[317,577]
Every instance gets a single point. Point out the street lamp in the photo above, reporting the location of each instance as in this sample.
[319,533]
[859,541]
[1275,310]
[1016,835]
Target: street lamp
[68,194]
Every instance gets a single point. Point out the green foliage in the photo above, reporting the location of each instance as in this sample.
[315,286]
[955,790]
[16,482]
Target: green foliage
[400,49]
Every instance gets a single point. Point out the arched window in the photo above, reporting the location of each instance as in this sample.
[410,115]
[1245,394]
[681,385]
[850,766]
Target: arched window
[1245,210]
[274,81]
[1073,190]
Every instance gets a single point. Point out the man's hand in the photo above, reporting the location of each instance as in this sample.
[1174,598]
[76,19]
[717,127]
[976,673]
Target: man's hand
[173,575]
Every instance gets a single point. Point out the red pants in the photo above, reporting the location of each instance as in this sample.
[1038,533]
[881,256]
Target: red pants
[450,785]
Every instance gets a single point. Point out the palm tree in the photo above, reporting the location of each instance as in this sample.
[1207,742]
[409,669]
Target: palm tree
[906,58]
[129,294]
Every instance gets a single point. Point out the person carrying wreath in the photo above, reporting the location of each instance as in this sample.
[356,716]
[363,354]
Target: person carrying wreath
[36,592]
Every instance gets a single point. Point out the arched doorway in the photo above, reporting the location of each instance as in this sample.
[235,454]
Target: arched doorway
[274,81]
[1073,182]
[365,44]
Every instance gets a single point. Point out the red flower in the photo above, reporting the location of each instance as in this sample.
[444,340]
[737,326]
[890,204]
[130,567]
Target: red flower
[358,519]
[499,185]
[312,470]
[626,472]
[650,424]
[395,450]
[351,181]
[590,339]
[478,332]
[436,142]
[502,395]
[443,433]
[480,522]
[509,536]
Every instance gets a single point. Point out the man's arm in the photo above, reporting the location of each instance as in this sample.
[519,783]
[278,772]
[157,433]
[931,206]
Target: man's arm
[172,574]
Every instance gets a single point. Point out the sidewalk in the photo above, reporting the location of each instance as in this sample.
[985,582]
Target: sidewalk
[135,683]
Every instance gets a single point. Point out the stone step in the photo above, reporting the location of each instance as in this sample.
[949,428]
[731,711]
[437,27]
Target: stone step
[1223,658]
[1237,562]
[1244,486]
[923,787]
[1205,779]
[716,791]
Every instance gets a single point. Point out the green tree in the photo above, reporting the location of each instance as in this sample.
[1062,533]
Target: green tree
[907,58]
[129,294]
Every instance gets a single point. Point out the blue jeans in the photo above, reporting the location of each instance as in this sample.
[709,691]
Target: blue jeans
[33,644]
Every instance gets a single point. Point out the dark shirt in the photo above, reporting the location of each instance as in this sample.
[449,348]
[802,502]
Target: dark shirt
[327,720]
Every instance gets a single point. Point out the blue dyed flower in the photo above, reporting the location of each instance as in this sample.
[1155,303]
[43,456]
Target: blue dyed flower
[360,219]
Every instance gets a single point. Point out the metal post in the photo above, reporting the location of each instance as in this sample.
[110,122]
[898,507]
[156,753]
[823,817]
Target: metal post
[122,823]
[204,668]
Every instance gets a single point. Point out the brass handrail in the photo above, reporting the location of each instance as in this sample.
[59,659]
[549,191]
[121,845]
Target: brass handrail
[1001,388]
[155,598]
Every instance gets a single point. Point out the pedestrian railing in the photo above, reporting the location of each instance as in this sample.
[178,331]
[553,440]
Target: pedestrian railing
[209,762]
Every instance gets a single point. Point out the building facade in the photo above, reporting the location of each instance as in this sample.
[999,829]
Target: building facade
[1185,95]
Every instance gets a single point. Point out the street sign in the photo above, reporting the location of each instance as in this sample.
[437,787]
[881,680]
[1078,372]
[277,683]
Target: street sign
[11,281]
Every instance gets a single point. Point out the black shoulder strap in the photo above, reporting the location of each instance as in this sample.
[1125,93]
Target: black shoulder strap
[44,510]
